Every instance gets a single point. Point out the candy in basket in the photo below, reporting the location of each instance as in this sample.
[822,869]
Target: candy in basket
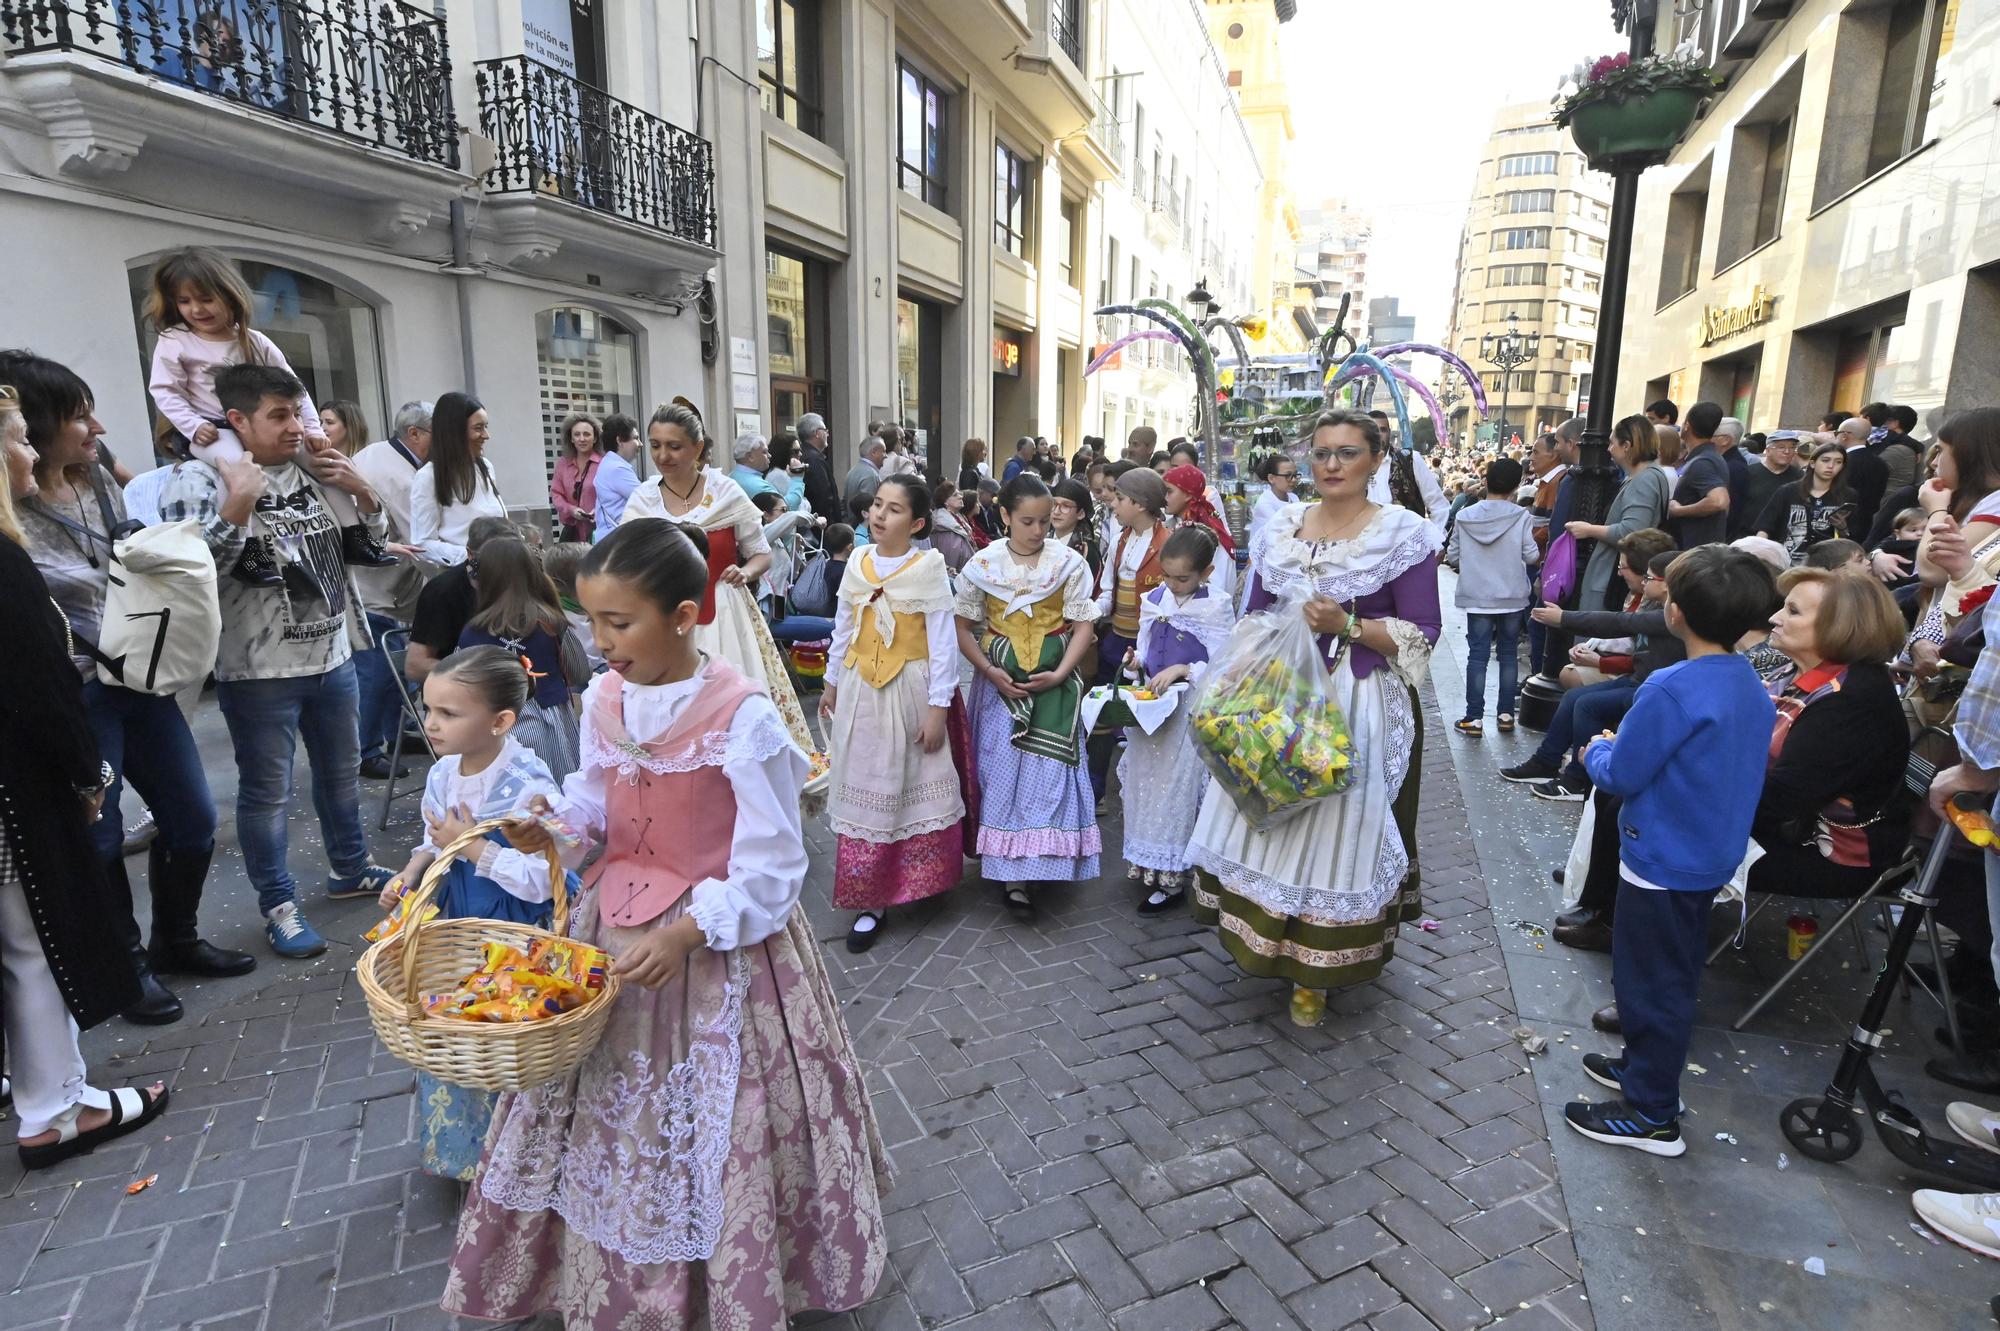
[554,976]
[1266,723]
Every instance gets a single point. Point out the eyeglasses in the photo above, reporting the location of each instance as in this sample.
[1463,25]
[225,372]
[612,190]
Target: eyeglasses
[1652,577]
[1349,456]
[1284,476]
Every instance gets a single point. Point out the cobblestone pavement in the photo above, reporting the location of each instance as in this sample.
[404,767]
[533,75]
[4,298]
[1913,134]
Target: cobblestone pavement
[1096,1121]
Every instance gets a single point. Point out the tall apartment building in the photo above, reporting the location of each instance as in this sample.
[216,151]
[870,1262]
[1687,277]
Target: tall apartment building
[876,209]
[1333,249]
[1180,216]
[1824,237]
[1248,34]
[1531,256]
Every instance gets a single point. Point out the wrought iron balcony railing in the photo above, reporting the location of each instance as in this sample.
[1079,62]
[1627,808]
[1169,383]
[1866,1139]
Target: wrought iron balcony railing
[1066,24]
[554,134]
[374,70]
[1104,127]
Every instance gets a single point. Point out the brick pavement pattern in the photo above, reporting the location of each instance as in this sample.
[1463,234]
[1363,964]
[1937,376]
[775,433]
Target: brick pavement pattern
[1096,1120]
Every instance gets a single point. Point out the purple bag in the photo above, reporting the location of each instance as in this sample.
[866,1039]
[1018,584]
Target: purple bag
[1559,568]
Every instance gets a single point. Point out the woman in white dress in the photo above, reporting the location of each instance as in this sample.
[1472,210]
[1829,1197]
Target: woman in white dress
[688,490]
[455,487]
[1317,899]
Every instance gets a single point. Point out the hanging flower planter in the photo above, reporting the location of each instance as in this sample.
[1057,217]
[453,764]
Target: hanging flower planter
[1628,114]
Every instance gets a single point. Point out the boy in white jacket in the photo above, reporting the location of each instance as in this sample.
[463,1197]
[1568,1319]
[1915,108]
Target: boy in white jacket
[1492,546]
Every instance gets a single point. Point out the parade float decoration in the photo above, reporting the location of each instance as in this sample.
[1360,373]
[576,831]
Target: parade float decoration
[1628,114]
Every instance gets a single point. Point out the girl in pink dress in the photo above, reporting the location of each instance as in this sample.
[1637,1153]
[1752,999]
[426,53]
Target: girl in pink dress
[715,1160]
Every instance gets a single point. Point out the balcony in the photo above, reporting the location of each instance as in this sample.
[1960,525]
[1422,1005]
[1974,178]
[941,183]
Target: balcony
[577,168]
[1100,148]
[1163,221]
[1066,29]
[352,91]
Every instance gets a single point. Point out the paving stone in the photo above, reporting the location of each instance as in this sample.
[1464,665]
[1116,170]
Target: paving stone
[1254,1307]
[1345,1300]
[1190,1308]
[1267,1255]
[1040,1267]
[1345,1246]
[1110,1278]
[1431,1291]
[1196,1257]
[1513,1225]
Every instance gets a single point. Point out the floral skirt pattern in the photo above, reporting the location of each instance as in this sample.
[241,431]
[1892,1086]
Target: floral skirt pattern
[875,875]
[455,1120]
[1037,816]
[793,1218]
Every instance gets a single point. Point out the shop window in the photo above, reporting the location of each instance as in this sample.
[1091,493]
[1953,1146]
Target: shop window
[331,336]
[922,159]
[587,362]
[919,372]
[788,69]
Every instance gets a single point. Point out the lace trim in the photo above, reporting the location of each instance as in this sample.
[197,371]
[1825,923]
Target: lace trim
[631,1158]
[1412,661]
[765,736]
[1347,584]
[876,836]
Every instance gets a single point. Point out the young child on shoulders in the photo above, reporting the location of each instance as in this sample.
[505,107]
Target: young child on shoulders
[1688,761]
[472,700]
[1183,622]
[199,305]
[715,1157]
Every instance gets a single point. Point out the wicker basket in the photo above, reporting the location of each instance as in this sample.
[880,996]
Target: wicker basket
[431,957]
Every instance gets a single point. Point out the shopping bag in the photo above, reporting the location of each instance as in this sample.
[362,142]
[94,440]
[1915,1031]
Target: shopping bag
[1559,568]
[1266,723]
[1577,870]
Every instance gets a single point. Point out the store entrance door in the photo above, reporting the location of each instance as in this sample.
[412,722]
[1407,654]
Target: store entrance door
[788,401]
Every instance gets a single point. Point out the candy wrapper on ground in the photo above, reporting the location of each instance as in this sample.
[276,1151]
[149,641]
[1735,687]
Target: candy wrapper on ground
[552,977]
[1266,723]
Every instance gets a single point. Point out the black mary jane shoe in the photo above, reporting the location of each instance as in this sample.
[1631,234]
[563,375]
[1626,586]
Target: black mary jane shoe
[1169,891]
[131,1109]
[1019,904]
[860,939]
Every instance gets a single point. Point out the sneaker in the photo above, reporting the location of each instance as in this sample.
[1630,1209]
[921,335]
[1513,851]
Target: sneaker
[1563,790]
[1976,1123]
[286,929]
[376,768]
[1534,771]
[140,835]
[368,883]
[1618,1124]
[1607,1071]
[1471,725]
[1970,1220]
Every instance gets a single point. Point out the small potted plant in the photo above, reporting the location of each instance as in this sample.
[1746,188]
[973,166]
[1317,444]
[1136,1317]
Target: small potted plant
[1626,114]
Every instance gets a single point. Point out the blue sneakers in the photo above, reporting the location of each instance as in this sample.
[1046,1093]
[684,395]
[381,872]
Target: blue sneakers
[1618,1124]
[286,929]
[368,883]
[1606,1071]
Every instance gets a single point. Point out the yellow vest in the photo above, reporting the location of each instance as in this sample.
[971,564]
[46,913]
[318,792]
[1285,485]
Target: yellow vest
[1026,632]
[878,662]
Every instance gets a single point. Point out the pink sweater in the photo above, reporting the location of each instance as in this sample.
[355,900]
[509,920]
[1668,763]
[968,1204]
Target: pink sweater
[183,378]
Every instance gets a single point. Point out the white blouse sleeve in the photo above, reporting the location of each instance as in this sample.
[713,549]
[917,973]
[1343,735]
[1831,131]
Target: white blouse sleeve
[750,538]
[941,627]
[843,638]
[767,852]
[427,521]
[518,873]
[1078,608]
[436,785]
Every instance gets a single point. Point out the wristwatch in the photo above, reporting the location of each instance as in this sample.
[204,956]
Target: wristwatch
[105,776]
[1352,629]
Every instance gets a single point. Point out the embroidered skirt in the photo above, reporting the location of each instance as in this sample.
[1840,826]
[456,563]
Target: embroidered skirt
[1161,780]
[715,1161]
[1317,899]
[1037,817]
[897,811]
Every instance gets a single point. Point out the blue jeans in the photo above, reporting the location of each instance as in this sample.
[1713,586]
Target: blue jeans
[267,718]
[1584,712]
[1483,633]
[381,692]
[147,742]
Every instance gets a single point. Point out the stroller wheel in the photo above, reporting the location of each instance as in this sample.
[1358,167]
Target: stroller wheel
[1820,1130]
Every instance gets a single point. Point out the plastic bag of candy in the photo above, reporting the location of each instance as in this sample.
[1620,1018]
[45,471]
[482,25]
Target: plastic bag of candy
[554,976]
[1266,723]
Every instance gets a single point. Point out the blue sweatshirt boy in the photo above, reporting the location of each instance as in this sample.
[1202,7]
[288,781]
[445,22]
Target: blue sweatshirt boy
[1689,764]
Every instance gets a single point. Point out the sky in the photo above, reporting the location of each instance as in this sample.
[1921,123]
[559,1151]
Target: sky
[1419,82]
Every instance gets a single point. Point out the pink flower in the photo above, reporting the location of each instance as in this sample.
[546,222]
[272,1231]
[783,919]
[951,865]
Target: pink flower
[1608,65]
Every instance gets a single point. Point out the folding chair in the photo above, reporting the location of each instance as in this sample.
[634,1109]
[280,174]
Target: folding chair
[394,647]
[1917,776]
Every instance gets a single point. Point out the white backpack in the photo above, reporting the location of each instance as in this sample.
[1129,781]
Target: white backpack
[162,622]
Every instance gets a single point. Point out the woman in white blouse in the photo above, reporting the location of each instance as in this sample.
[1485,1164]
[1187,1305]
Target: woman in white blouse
[455,486]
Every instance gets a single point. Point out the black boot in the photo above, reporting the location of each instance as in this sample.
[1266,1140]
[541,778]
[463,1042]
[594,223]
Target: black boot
[157,1005]
[257,565]
[177,878]
[359,546]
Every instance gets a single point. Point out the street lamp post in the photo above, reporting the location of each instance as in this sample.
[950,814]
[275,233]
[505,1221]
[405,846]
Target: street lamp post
[1449,397]
[1507,351]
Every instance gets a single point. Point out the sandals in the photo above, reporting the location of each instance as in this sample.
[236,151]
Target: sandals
[1472,726]
[867,927]
[131,1109]
[1506,722]
[1019,904]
